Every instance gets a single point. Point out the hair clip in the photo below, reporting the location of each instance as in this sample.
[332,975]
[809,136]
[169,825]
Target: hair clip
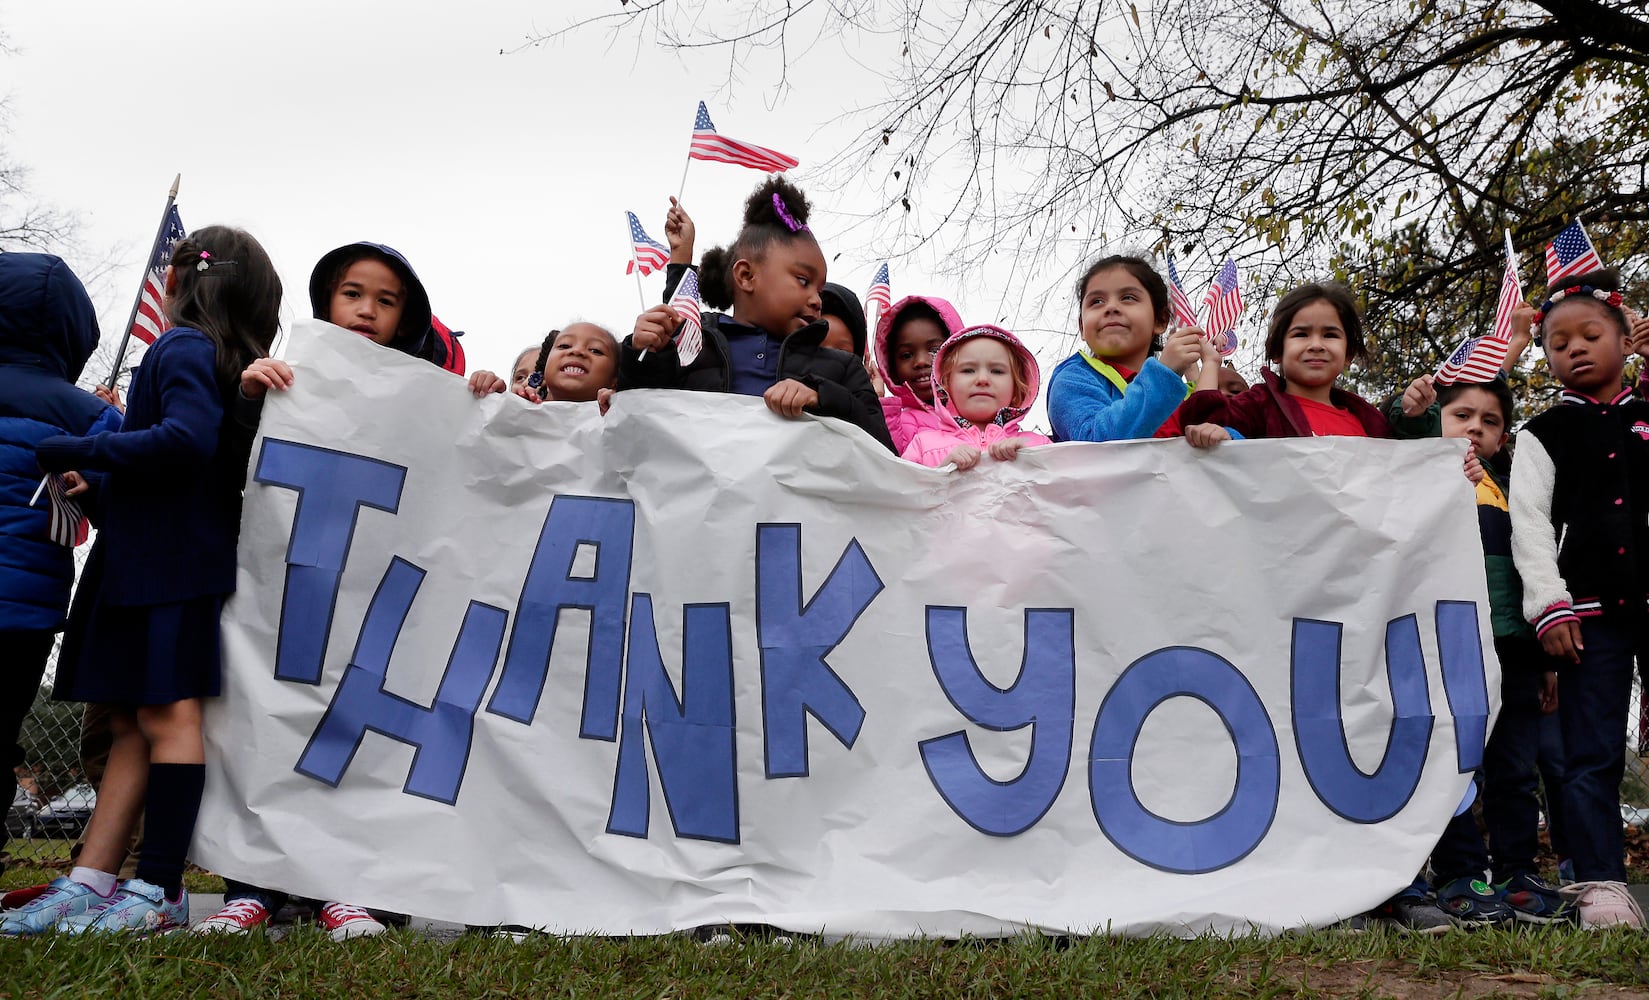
[205,261]
[785,216]
[535,380]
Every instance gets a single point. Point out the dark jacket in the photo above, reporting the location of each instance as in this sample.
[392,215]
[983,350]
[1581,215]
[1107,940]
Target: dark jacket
[1267,411]
[172,498]
[48,330]
[838,377]
[427,337]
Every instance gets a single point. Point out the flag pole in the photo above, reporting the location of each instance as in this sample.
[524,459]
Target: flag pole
[160,234]
[635,262]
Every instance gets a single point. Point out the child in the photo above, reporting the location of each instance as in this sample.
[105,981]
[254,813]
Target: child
[1482,413]
[908,336]
[1116,388]
[371,289]
[844,315]
[48,330]
[1314,332]
[983,381]
[1580,543]
[772,343]
[526,366]
[1231,381]
[571,366]
[143,633]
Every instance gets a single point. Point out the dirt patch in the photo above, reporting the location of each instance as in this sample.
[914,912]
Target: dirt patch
[1407,981]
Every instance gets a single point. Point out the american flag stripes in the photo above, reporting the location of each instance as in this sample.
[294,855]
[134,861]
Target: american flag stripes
[690,338]
[1224,303]
[1184,315]
[648,254]
[150,321]
[68,525]
[1569,255]
[1479,359]
[881,290]
[708,144]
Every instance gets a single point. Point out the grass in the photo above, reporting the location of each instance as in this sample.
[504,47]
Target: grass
[36,861]
[1554,963]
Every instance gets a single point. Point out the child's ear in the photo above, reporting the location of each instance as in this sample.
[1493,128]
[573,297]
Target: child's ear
[171,280]
[744,275]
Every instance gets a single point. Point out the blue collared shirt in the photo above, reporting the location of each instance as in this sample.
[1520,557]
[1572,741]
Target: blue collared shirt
[753,357]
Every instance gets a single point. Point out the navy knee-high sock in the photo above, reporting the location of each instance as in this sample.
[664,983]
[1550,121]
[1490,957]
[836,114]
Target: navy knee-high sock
[169,811]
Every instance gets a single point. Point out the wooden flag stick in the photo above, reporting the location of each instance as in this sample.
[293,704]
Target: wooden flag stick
[160,234]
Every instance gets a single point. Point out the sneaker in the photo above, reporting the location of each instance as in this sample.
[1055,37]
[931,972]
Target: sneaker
[137,907]
[238,916]
[19,898]
[341,921]
[1413,912]
[1603,904]
[64,898]
[1533,901]
[1565,872]
[1472,902]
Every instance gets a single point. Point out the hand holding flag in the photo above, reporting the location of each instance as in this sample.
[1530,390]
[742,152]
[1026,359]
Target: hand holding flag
[690,338]
[1224,304]
[67,526]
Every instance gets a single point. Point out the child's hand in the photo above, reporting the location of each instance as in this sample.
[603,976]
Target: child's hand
[1206,435]
[74,484]
[1419,396]
[790,398]
[1474,468]
[1548,692]
[264,374]
[484,383]
[1007,449]
[110,396]
[1638,342]
[528,393]
[604,399]
[679,232]
[655,328]
[1563,641]
[963,456]
[1182,349]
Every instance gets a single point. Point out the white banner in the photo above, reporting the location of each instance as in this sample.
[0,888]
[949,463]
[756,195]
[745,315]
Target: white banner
[693,663]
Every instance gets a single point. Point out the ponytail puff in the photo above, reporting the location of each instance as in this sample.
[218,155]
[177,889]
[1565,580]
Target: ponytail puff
[716,277]
[778,203]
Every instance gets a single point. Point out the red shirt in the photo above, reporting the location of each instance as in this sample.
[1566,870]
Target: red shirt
[1330,421]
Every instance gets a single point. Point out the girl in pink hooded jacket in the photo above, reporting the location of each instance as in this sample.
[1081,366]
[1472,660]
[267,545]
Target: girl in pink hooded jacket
[984,380]
[908,335]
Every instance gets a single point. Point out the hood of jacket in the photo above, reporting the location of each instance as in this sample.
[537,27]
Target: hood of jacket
[1008,415]
[415,315]
[46,318]
[948,315]
[839,301]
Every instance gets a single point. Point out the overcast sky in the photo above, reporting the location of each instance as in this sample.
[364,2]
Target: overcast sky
[503,178]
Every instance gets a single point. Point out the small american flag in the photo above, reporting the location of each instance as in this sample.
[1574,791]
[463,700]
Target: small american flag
[1184,315]
[881,291]
[1224,304]
[647,253]
[690,339]
[1570,254]
[151,320]
[708,144]
[68,525]
[1476,360]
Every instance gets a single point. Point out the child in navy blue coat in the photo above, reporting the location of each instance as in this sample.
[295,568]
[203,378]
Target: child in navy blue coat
[48,329]
[143,632]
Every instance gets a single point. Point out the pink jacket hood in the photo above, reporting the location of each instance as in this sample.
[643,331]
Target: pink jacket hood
[949,317]
[1009,416]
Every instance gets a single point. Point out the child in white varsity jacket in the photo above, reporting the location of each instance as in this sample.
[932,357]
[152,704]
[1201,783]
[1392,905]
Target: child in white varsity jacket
[1580,539]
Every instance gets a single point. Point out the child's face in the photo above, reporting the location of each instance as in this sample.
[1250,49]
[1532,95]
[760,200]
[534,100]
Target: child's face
[981,379]
[915,343]
[1118,320]
[1585,347]
[369,299]
[1314,347]
[780,291]
[1231,383]
[839,337]
[1475,414]
[581,363]
[524,365]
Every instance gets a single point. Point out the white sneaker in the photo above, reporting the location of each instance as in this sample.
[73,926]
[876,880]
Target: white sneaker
[343,921]
[238,916]
[1603,904]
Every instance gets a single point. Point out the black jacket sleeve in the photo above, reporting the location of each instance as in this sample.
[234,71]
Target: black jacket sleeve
[853,399]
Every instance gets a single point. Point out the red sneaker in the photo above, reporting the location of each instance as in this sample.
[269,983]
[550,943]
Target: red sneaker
[343,921]
[238,916]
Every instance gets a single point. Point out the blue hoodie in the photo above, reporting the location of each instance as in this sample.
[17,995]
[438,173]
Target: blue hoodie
[48,330]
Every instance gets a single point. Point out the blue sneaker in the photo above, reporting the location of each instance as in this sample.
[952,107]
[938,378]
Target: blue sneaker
[138,907]
[1534,901]
[1472,902]
[62,900]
